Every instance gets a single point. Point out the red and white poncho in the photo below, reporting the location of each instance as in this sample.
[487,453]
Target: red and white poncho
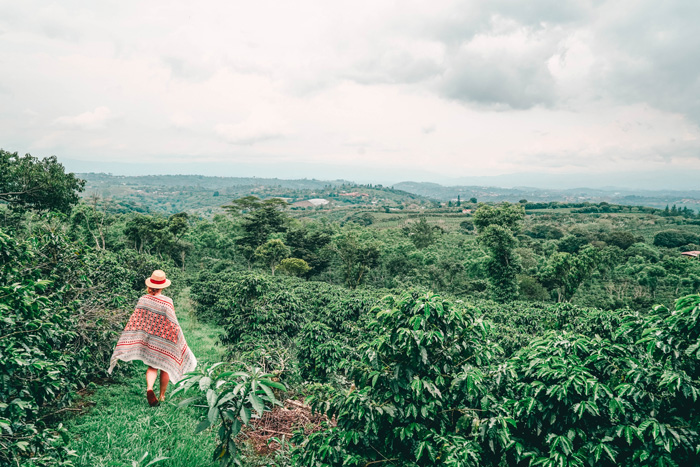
[154,336]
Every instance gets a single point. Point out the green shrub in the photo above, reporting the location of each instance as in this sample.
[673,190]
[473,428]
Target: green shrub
[58,324]
[429,391]
[254,307]
[414,384]
[675,238]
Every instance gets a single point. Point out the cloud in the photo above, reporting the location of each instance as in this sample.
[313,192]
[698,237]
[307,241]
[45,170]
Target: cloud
[460,86]
[182,120]
[261,125]
[506,70]
[86,120]
[646,48]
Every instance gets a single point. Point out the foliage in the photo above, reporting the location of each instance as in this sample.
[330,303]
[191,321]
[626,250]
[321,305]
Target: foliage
[421,233]
[253,203]
[414,384]
[675,238]
[595,378]
[580,400]
[597,388]
[622,239]
[257,227]
[502,264]
[158,235]
[496,226]
[323,322]
[27,182]
[358,254]
[320,351]
[56,329]
[544,231]
[308,242]
[232,397]
[272,252]
[564,272]
[505,215]
[294,266]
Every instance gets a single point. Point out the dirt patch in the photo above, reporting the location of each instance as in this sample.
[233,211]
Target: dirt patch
[282,422]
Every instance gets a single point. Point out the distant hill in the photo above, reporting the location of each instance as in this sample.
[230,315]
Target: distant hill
[651,198]
[205,195]
[203,182]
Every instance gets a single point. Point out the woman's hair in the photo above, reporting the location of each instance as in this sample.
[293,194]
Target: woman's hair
[152,291]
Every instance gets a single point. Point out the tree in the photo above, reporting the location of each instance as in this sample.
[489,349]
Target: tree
[472,200]
[146,233]
[571,243]
[467,225]
[272,252]
[357,254]
[421,233]
[178,224]
[307,242]
[294,266]
[496,225]
[622,239]
[545,231]
[675,238]
[91,222]
[27,182]
[258,225]
[650,276]
[253,203]
[363,219]
[565,272]
[502,265]
[506,215]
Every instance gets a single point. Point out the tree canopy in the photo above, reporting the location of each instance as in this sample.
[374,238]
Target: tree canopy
[27,182]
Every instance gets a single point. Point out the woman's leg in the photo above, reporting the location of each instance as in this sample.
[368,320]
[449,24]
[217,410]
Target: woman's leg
[164,378]
[151,374]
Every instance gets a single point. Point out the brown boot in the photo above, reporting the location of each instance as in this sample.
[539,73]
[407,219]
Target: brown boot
[152,400]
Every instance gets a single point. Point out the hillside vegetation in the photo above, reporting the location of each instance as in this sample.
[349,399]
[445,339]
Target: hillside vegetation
[420,333]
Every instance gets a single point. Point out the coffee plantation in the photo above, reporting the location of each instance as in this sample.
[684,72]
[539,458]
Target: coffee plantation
[542,335]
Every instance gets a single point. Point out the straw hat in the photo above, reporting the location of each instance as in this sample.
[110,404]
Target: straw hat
[158,280]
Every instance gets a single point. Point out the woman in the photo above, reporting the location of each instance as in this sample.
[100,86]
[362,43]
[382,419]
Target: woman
[154,336]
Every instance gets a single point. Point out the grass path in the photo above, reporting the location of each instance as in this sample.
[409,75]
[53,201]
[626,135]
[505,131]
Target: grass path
[122,427]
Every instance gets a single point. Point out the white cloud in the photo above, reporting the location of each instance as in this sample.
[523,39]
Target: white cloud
[93,120]
[182,120]
[261,125]
[458,87]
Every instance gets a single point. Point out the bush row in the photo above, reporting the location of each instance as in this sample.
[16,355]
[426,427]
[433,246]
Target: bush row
[61,307]
[432,388]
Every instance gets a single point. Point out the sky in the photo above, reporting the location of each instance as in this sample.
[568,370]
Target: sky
[363,90]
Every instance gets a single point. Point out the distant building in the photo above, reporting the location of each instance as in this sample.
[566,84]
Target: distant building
[310,203]
[692,254]
[319,201]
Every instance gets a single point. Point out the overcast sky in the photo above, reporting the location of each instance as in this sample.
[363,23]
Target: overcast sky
[336,89]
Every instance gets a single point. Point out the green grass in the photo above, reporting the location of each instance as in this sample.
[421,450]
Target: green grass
[122,427]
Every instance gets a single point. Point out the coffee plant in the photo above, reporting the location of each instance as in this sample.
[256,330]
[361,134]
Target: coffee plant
[232,398]
[415,385]
[57,325]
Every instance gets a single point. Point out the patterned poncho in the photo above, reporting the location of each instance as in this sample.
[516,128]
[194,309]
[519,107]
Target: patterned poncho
[153,336]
